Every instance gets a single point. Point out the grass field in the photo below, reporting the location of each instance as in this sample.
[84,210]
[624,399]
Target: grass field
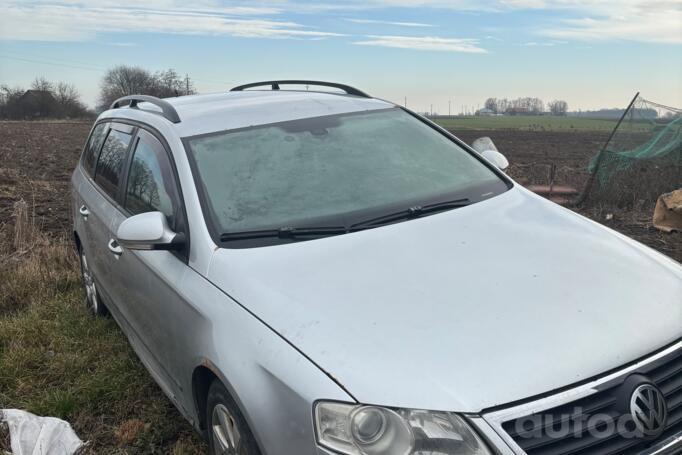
[526,122]
[57,360]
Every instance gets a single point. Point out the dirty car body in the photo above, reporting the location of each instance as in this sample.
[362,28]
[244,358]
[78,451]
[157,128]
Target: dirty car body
[360,281]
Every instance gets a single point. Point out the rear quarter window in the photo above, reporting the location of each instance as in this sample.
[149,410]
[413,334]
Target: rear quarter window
[93,147]
[110,162]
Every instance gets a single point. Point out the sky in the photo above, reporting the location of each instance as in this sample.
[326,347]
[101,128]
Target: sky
[431,54]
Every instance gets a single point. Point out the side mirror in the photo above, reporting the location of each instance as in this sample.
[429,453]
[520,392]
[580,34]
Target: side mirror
[148,231]
[486,147]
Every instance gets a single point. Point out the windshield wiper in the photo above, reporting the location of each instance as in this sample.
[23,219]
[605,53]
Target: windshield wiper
[302,233]
[285,233]
[410,213]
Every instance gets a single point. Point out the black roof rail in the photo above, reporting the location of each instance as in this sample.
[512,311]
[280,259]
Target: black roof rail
[167,109]
[275,86]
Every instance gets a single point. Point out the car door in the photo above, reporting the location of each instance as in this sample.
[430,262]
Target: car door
[153,306]
[83,198]
[100,201]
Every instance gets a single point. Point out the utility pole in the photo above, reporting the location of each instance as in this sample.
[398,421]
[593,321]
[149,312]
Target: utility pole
[449,112]
[186,84]
[405,103]
[432,111]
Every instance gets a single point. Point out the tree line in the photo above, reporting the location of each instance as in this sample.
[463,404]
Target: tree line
[47,99]
[525,105]
[44,99]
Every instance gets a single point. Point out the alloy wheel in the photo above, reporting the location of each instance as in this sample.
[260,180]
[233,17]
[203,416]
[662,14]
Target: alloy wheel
[89,284]
[226,435]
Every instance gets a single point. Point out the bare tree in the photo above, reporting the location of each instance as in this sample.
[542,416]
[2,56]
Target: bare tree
[169,83]
[128,80]
[558,107]
[66,93]
[491,104]
[503,105]
[124,80]
[41,102]
[42,85]
[69,101]
[9,102]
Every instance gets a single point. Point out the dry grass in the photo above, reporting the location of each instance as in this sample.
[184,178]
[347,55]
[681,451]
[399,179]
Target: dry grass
[4,437]
[57,360]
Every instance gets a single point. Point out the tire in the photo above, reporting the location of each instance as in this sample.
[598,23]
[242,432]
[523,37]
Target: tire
[228,432]
[92,299]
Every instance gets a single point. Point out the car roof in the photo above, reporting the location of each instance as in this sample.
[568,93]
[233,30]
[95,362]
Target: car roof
[202,114]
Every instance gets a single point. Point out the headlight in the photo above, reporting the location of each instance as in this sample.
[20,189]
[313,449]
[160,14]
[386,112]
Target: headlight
[372,430]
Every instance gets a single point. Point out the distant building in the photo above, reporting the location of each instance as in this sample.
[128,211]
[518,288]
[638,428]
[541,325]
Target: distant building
[38,103]
[485,112]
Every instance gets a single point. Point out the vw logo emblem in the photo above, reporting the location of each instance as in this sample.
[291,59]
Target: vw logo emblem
[649,410]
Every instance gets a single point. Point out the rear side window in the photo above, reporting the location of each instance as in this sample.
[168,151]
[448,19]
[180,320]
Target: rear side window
[151,184]
[93,148]
[110,162]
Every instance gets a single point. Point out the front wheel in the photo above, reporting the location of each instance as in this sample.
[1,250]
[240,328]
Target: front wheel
[92,299]
[228,432]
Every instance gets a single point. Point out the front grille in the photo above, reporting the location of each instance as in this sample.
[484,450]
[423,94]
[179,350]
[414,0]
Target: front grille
[558,431]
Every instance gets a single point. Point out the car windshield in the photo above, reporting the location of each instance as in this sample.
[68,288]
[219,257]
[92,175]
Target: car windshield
[332,171]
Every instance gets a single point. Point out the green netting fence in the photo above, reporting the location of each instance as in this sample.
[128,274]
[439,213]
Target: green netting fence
[641,160]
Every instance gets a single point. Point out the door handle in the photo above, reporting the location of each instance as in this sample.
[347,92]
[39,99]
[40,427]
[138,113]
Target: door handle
[84,211]
[115,248]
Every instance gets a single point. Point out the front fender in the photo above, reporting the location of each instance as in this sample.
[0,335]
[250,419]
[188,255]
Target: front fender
[273,383]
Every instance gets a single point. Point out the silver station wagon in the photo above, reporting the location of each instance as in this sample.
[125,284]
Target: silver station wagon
[322,272]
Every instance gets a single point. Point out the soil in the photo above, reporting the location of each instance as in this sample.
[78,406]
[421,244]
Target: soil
[532,154]
[36,161]
[37,158]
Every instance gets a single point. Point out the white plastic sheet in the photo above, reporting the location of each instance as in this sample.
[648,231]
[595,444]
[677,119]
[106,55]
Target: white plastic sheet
[33,435]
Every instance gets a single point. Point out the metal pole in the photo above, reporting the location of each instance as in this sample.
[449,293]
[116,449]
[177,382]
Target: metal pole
[590,180]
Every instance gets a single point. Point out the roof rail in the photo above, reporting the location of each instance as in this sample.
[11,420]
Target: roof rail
[167,109]
[275,86]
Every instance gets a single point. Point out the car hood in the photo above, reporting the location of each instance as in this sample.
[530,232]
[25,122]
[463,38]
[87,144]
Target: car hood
[466,309]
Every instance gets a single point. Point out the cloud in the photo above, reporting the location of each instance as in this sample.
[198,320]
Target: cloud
[658,21]
[425,43]
[364,5]
[536,44]
[399,24]
[523,4]
[209,6]
[629,20]
[121,44]
[75,21]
